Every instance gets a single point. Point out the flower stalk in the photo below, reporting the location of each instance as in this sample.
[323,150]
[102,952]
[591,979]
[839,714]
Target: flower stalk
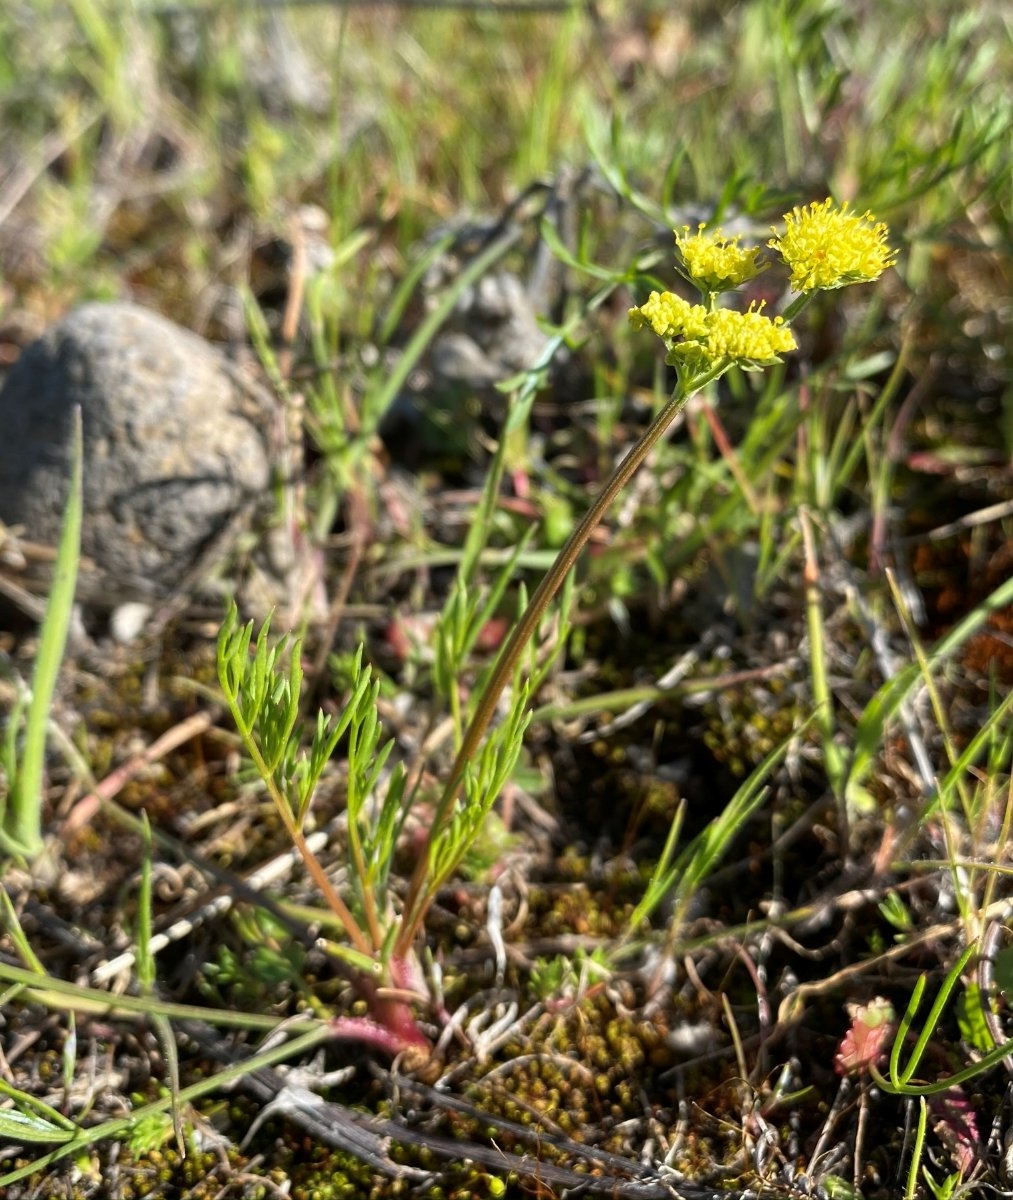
[824,248]
[419,897]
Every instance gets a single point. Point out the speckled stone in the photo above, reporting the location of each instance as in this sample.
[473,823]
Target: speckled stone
[173,446]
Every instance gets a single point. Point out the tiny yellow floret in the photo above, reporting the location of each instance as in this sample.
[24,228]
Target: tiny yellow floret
[827,247]
[716,263]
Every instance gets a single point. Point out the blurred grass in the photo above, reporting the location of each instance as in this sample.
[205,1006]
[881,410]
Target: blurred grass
[409,118]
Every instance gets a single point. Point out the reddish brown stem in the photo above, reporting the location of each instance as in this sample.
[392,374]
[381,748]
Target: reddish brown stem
[420,891]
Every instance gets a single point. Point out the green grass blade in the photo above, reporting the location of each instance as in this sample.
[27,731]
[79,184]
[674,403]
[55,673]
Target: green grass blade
[22,832]
[50,1124]
[118,1126]
[871,726]
[916,1154]
[11,924]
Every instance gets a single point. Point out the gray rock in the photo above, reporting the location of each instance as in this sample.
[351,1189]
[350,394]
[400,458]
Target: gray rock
[492,334]
[172,447]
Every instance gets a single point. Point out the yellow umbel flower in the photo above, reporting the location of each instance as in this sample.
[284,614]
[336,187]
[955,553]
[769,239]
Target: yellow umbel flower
[828,247]
[748,338]
[716,263]
[701,340]
[670,316]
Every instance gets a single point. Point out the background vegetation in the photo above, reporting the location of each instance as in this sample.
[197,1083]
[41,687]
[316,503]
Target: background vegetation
[654,970]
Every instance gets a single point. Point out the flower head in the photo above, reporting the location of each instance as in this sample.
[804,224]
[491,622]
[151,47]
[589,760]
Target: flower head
[701,340]
[828,247]
[670,316]
[716,263]
[748,338]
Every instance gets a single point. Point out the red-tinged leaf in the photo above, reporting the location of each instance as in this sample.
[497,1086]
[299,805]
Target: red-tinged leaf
[867,1039]
[956,1126]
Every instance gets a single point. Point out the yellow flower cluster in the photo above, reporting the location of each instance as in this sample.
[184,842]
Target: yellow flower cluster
[828,248]
[704,339]
[824,247]
[670,316]
[716,263]
[747,336]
